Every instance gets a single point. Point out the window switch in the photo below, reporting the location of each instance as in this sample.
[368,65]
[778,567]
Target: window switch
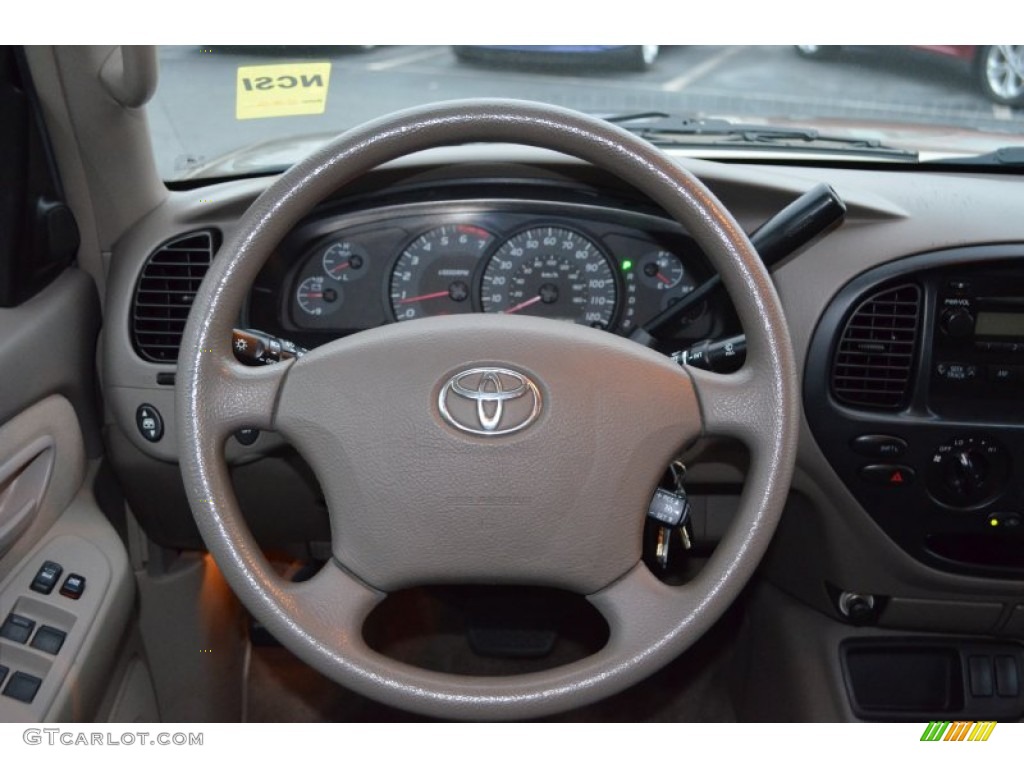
[47,577]
[73,587]
[17,628]
[23,687]
[49,640]
[1007,676]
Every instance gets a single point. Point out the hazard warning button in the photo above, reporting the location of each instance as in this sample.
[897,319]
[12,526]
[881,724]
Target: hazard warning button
[887,475]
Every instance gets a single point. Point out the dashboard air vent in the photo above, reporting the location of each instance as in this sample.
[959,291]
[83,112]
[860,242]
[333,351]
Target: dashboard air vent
[875,356]
[164,294]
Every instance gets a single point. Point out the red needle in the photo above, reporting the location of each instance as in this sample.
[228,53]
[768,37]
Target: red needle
[663,279]
[425,296]
[522,305]
[340,267]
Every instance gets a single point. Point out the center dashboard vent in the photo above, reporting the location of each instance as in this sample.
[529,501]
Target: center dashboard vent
[165,291]
[875,356]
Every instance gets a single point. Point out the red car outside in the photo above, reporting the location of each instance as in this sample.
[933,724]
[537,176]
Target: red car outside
[998,69]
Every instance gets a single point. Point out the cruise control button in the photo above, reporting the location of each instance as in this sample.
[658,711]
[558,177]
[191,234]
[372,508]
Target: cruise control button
[887,475]
[879,446]
[47,577]
[23,687]
[149,422]
[17,628]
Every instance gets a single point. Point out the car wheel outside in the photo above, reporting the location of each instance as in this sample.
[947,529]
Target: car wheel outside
[815,51]
[642,57]
[1001,73]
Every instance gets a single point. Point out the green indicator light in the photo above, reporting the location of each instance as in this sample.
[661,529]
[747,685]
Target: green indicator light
[994,522]
[627,265]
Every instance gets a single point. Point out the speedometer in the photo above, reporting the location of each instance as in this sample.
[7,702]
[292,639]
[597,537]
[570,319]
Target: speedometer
[551,272]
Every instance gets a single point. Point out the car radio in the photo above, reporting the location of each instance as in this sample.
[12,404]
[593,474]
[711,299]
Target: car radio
[978,338]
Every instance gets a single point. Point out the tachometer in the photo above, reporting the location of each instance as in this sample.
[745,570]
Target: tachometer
[551,272]
[434,274]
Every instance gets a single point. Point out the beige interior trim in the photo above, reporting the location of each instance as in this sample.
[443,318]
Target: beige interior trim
[50,429]
[130,74]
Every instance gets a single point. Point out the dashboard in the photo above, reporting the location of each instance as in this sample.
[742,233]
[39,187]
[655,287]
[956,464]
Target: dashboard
[467,228]
[592,264]
[895,492]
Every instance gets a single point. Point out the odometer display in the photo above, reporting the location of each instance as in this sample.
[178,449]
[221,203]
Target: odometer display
[551,272]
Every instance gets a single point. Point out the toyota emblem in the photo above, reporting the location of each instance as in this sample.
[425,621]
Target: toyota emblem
[489,401]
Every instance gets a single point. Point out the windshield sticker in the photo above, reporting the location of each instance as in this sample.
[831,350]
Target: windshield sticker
[282,90]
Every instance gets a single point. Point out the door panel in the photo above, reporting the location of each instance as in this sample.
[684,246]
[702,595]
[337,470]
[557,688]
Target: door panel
[58,644]
[49,515]
[47,346]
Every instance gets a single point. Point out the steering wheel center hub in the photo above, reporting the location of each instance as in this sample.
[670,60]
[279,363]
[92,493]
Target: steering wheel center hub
[504,449]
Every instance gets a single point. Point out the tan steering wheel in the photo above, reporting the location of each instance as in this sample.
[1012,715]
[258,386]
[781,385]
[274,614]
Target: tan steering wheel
[565,496]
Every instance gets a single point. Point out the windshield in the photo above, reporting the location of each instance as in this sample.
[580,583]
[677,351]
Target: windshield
[225,111]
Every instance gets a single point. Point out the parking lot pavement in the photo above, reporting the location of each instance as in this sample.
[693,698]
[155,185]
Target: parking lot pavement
[193,113]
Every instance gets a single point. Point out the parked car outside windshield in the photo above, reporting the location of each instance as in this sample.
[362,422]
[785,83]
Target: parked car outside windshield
[934,103]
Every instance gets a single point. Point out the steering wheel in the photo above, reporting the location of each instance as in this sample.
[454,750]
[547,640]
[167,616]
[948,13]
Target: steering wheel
[420,490]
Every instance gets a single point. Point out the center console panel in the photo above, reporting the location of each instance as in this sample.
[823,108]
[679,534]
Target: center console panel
[914,389]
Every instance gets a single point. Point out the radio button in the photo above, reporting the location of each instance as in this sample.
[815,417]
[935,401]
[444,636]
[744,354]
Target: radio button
[1002,346]
[879,446]
[957,371]
[1006,374]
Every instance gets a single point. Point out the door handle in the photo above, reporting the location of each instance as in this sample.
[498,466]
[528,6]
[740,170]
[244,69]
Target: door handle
[24,478]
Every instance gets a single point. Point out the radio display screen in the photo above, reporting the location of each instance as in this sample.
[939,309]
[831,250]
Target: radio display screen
[1000,324]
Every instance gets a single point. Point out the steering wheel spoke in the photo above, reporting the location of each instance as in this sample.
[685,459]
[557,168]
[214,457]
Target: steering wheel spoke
[330,608]
[240,396]
[738,404]
[639,606]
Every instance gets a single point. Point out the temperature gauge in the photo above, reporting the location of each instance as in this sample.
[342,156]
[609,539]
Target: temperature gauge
[318,298]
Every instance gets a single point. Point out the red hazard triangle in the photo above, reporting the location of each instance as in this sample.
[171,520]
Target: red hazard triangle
[896,478]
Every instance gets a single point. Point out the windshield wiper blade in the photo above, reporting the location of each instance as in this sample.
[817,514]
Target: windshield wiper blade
[1007,157]
[665,128]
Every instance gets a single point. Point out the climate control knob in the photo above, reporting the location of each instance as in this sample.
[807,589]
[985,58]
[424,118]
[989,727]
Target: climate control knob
[968,472]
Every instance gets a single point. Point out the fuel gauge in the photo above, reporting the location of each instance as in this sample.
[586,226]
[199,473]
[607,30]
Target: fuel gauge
[662,271]
[666,274]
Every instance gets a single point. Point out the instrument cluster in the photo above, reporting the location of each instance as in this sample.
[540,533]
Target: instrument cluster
[606,268]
